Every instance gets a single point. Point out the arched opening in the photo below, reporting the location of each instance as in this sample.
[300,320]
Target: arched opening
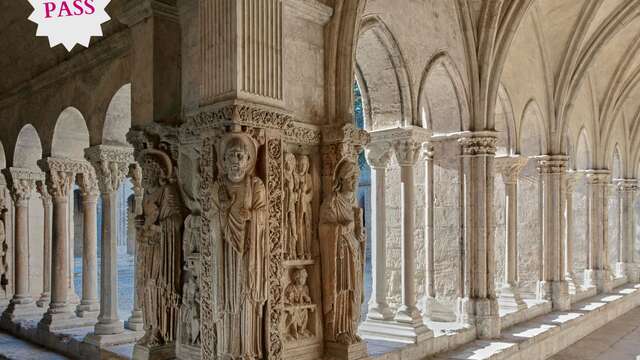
[582,158]
[118,120]
[28,150]
[532,143]
[70,136]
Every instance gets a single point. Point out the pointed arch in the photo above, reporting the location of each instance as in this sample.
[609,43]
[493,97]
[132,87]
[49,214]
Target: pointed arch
[384,75]
[28,149]
[70,135]
[118,118]
[505,122]
[583,155]
[616,162]
[532,138]
[442,101]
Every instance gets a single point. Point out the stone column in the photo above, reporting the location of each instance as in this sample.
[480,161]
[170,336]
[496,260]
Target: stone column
[407,150]
[60,178]
[478,304]
[570,186]
[598,272]
[553,285]
[89,305]
[5,243]
[378,158]
[73,296]
[510,167]
[136,320]
[626,216]
[45,297]
[111,164]
[22,306]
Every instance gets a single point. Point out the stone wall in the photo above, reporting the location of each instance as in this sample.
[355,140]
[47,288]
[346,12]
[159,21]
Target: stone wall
[580,243]
[529,231]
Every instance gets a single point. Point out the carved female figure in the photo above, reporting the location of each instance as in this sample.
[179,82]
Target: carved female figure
[342,251]
[238,221]
[305,197]
[290,203]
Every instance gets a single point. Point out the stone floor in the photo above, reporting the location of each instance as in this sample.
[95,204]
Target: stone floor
[12,348]
[618,340]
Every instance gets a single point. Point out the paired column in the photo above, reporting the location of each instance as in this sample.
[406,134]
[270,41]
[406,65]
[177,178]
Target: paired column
[378,157]
[111,164]
[553,285]
[60,177]
[89,305]
[478,304]
[45,297]
[510,167]
[22,306]
[625,266]
[598,272]
[570,186]
[136,320]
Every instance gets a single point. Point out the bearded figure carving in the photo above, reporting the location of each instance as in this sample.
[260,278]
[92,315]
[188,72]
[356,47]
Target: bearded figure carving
[160,250]
[342,251]
[239,220]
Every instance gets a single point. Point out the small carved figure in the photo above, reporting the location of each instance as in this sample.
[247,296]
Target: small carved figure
[191,311]
[290,203]
[238,219]
[296,294]
[342,251]
[304,214]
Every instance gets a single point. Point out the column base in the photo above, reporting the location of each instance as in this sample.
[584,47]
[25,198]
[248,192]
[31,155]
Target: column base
[52,321]
[109,328]
[164,352]
[135,321]
[407,333]
[345,352]
[379,311]
[571,283]
[601,279]
[481,313]
[45,299]
[74,299]
[21,309]
[510,298]
[633,272]
[408,314]
[88,309]
[557,292]
[102,341]
[435,310]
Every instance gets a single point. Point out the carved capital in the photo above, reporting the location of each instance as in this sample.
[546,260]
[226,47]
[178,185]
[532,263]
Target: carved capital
[478,143]
[598,177]
[88,183]
[626,185]
[23,182]
[552,164]
[510,167]
[378,155]
[41,188]
[61,174]
[407,152]
[111,164]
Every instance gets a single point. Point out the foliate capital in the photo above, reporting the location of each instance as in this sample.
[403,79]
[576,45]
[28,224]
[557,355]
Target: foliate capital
[626,185]
[552,164]
[60,174]
[407,152]
[510,167]
[378,155]
[478,143]
[23,182]
[111,164]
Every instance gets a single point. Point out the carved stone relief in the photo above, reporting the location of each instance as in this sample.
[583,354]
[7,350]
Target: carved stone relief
[298,306]
[298,197]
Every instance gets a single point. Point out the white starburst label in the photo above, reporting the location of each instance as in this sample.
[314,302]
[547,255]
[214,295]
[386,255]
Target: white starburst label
[69,22]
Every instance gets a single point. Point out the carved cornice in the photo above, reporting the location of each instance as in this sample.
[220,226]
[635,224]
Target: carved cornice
[252,115]
[311,10]
[139,10]
[111,164]
[23,182]
[510,167]
[478,143]
[378,155]
[598,177]
[552,164]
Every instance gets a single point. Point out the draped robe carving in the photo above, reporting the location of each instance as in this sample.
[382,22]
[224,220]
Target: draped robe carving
[238,221]
[342,251]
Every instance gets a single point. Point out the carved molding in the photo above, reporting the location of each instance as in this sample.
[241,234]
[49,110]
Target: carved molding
[598,177]
[626,185]
[552,164]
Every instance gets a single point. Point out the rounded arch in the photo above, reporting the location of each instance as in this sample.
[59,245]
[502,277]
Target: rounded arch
[532,138]
[505,123]
[70,135]
[442,98]
[3,157]
[383,77]
[118,118]
[28,150]
[583,153]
